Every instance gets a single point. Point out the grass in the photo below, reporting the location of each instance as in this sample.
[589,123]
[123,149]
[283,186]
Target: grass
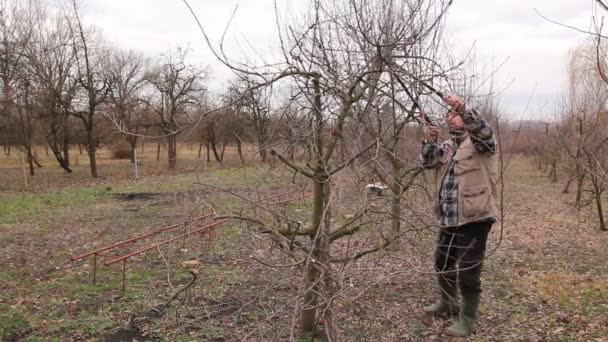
[77,218]
[13,323]
[16,207]
[19,206]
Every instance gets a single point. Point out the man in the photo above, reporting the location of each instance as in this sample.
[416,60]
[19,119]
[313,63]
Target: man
[465,209]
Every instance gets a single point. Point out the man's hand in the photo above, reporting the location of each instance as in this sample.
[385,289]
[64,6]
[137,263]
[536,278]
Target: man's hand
[455,102]
[431,132]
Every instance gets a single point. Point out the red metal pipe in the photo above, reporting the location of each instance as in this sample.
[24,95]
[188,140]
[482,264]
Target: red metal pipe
[143,250]
[114,245]
[280,194]
[291,199]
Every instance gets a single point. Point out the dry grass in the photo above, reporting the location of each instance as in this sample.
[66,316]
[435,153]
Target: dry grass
[546,281]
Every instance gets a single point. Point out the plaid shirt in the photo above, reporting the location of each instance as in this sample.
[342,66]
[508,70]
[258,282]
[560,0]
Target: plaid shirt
[432,153]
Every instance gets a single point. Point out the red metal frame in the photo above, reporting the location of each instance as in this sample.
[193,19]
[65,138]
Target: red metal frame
[280,194]
[124,242]
[143,250]
[291,199]
[202,230]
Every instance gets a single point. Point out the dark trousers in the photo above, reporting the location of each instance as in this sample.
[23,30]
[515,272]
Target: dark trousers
[459,258]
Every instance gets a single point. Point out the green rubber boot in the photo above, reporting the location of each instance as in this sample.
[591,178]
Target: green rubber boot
[442,307]
[465,324]
[448,302]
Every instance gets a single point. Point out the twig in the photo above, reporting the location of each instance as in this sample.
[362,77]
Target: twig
[165,305]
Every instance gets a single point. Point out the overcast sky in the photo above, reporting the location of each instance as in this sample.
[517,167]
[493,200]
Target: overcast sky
[533,77]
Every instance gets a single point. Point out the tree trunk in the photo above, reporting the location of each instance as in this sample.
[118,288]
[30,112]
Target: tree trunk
[66,146]
[30,160]
[61,152]
[215,152]
[80,149]
[395,215]
[200,150]
[262,146]
[239,149]
[222,151]
[208,152]
[553,173]
[579,189]
[35,160]
[91,147]
[63,161]
[132,154]
[158,151]
[320,249]
[172,150]
[567,186]
[325,260]
[600,211]
[93,161]
[133,144]
[308,318]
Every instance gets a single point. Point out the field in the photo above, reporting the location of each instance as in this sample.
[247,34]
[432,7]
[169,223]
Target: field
[545,277]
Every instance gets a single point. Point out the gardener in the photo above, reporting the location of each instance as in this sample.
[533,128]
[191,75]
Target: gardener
[465,209]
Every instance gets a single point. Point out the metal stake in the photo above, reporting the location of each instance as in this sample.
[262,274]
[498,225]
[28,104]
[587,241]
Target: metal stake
[124,275]
[95,269]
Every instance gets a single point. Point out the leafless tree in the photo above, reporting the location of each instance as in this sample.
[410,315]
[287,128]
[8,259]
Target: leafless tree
[125,73]
[90,52]
[50,59]
[16,30]
[255,104]
[340,60]
[580,135]
[177,91]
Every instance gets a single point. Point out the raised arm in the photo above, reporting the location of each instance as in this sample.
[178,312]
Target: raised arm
[431,152]
[480,131]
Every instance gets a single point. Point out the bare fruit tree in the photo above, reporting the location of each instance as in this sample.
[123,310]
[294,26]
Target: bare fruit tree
[51,61]
[17,104]
[338,65]
[90,52]
[255,104]
[177,91]
[125,72]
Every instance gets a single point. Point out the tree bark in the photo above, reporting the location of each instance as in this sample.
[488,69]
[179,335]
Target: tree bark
[320,249]
[395,215]
[158,151]
[208,152]
[223,150]
[30,160]
[579,189]
[91,148]
[66,146]
[262,147]
[239,149]
[567,186]
[172,150]
[308,319]
[600,211]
